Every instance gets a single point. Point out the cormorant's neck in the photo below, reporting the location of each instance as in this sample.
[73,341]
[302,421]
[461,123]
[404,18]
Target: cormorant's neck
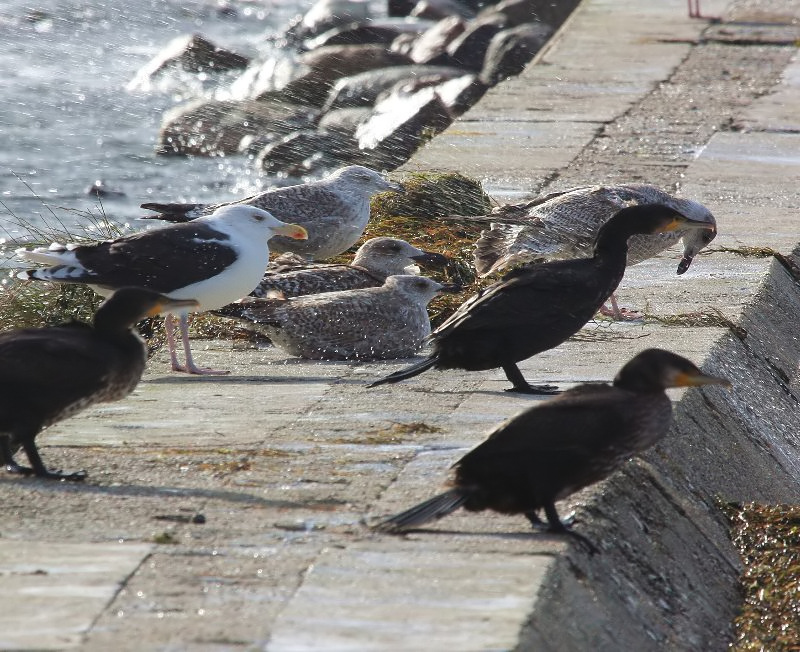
[109,324]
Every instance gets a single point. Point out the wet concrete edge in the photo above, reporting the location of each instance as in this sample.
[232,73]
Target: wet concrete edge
[667,577]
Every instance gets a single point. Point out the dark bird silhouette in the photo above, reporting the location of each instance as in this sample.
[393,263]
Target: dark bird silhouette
[537,307]
[49,374]
[563,444]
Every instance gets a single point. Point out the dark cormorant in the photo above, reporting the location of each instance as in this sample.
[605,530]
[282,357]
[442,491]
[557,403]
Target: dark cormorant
[49,374]
[563,444]
[537,307]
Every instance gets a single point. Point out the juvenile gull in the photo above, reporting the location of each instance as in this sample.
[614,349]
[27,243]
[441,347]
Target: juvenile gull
[537,307]
[214,259]
[49,374]
[383,322]
[550,451]
[335,210]
[564,225]
[375,260]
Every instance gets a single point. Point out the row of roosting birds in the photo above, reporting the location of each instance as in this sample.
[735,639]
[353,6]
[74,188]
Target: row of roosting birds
[567,252]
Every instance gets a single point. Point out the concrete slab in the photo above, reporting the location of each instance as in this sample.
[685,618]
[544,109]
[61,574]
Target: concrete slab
[369,597]
[777,111]
[51,592]
[748,179]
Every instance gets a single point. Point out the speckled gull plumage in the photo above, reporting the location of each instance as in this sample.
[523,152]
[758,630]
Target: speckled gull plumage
[375,260]
[564,225]
[334,210]
[383,322]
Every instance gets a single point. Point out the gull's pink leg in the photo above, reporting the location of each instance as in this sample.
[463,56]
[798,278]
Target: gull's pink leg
[169,325]
[620,314]
[191,367]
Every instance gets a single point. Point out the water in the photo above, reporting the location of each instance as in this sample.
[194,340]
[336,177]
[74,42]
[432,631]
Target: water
[66,120]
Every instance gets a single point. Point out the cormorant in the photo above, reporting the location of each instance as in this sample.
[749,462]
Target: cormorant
[49,374]
[563,444]
[215,259]
[537,307]
[335,210]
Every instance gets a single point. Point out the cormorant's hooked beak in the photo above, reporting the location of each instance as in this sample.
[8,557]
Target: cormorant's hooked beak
[451,288]
[697,379]
[294,231]
[430,259]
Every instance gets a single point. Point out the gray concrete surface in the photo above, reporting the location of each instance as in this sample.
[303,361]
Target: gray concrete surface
[284,459]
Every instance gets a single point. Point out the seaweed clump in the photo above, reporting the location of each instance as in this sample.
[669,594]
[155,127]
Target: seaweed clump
[412,215]
[768,540]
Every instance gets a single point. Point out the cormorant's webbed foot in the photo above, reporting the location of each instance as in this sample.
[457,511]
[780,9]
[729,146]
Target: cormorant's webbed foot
[77,476]
[40,470]
[522,386]
[537,390]
[557,527]
[13,467]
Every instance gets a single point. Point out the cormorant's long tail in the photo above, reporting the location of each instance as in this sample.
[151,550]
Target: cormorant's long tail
[430,510]
[408,372]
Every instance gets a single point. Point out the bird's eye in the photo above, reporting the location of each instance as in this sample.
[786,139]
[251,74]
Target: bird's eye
[258,217]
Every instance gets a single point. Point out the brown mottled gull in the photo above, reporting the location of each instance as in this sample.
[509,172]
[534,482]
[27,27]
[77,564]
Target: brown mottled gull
[375,260]
[383,322]
[333,210]
[564,225]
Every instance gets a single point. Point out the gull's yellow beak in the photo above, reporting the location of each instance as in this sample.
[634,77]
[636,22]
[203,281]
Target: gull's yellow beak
[294,231]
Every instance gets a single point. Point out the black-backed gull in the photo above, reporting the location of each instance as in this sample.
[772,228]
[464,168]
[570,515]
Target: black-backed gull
[214,259]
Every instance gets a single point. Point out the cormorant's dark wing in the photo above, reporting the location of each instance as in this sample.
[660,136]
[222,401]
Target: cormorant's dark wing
[549,435]
[525,294]
[162,259]
[50,357]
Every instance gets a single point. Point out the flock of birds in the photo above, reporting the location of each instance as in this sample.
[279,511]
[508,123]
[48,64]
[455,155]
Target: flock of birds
[567,253]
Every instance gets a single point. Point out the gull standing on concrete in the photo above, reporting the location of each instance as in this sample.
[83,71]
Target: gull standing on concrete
[335,210]
[374,262]
[564,225]
[214,259]
[373,323]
